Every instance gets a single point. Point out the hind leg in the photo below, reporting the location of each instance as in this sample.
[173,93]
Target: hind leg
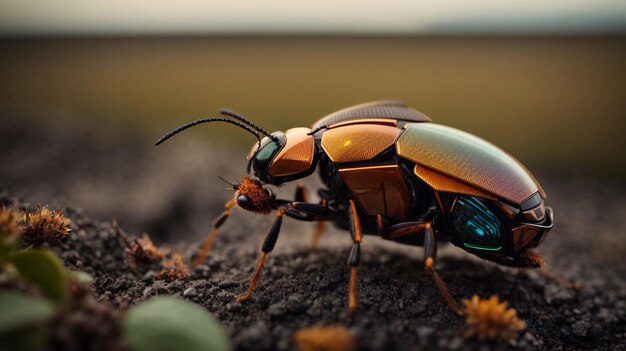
[531,260]
[320,226]
[406,229]
[430,256]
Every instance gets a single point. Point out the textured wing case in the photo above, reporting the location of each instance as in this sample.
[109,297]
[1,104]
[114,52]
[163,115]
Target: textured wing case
[388,109]
[467,159]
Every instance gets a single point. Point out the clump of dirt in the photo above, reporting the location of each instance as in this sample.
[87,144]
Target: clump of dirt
[399,305]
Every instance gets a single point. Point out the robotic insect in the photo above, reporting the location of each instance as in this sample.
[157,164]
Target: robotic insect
[391,172]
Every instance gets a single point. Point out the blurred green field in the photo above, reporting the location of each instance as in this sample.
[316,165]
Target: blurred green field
[555,103]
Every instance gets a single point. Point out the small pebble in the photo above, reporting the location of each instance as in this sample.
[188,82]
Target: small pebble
[455,343]
[426,336]
[557,294]
[580,328]
[191,292]
[277,309]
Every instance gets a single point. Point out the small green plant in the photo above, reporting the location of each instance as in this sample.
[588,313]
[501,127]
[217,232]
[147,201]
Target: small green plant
[21,320]
[44,226]
[166,323]
[50,293]
[39,267]
[38,271]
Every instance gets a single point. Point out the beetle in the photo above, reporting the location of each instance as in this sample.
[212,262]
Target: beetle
[390,171]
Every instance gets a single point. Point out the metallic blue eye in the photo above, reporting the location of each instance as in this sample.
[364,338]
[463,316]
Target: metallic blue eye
[476,225]
[243,201]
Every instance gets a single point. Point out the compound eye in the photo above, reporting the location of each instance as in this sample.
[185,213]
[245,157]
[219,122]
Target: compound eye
[477,225]
[243,201]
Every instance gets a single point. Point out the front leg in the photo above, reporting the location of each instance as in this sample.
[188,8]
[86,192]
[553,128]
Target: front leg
[294,210]
[268,245]
[217,223]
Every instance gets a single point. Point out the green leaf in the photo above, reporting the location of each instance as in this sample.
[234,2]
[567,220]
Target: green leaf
[20,311]
[43,269]
[81,277]
[166,323]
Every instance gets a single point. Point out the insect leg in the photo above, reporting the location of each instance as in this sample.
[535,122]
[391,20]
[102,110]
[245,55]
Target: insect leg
[400,230]
[319,210]
[217,223]
[532,260]
[560,280]
[355,255]
[430,255]
[320,227]
[268,246]
[303,197]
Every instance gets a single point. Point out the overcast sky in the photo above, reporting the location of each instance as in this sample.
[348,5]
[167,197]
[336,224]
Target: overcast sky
[50,17]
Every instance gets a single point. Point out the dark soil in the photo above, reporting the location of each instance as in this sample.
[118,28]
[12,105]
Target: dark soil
[399,306]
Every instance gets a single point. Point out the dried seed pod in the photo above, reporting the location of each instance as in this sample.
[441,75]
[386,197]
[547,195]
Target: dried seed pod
[174,269]
[321,338]
[143,251]
[491,320]
[45,226]
[10,224]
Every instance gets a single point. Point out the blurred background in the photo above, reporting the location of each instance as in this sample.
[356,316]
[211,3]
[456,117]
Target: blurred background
[86,88]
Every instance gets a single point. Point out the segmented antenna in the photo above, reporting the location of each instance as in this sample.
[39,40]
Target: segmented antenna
[207,120]
[233,114]
[233,185]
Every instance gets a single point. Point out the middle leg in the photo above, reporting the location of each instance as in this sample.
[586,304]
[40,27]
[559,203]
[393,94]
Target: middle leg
[320,226]
[355,256]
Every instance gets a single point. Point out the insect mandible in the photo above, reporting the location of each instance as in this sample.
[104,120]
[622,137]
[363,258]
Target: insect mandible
[389,171]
